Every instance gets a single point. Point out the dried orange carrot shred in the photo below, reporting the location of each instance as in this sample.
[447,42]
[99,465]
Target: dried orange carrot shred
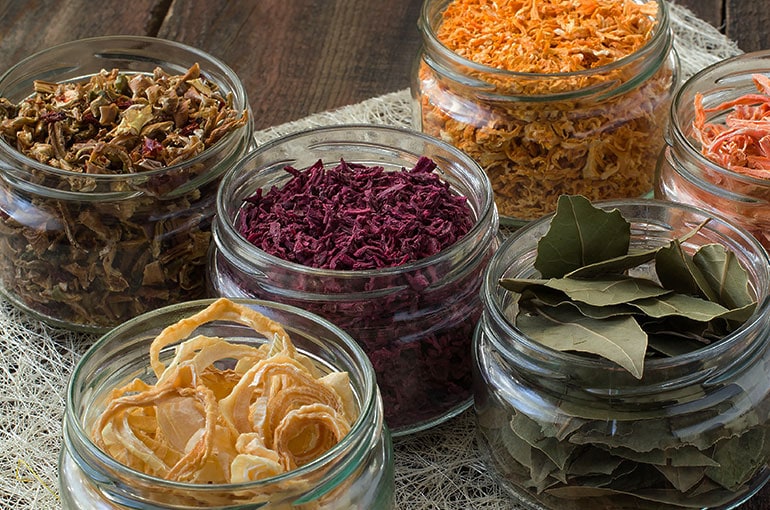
[535,149]
[546,36]
[741,143]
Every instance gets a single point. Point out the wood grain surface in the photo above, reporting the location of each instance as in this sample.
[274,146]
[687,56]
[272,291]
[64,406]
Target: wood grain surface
[296,57]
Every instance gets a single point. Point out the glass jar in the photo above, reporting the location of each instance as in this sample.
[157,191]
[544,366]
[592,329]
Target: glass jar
[541,135]
[89,251]
[355,473]
[685,175]
[416,320]
[571,432]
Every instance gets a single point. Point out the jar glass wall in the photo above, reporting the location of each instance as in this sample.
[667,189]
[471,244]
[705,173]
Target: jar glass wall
[88,251]
[355,473]
[686,175]
[571,432]
[415,320]
[540,135]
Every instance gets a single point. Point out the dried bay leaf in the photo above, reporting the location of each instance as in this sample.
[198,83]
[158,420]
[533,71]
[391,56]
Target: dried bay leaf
[543,296]
[607,292]
[739,458]
[618,339]
[616,265]
[724,274]
[683,305]
[638,497]
[580,234]
[530,431]
[677,271]
[669,345]
[594,461]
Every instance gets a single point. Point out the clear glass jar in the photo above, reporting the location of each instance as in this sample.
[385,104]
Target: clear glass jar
[564,431]
[355,473]
[416,320]
[685,175]
[539,135]
[89,251]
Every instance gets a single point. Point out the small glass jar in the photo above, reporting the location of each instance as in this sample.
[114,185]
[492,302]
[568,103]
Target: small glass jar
[416,320]
[355,473]
[89,251]
[685,175]
[564,431]
[541,135]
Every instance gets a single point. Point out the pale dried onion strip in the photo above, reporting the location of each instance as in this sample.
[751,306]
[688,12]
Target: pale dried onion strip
[273,412]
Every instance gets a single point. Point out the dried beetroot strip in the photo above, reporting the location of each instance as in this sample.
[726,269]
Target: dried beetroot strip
[354,217]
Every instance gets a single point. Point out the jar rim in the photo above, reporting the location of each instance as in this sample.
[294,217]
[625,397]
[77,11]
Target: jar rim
[712,73]
[240,101]
[487,211]
[493,308]
[431,39]
[369,404]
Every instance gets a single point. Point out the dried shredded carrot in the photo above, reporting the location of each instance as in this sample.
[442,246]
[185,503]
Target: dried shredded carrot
[546,36]
[534,147]
[742,142]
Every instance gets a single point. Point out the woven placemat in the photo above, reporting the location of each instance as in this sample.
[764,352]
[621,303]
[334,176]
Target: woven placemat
[437,469]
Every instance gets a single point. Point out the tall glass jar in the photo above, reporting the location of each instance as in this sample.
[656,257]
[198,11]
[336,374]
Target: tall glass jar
[540,135]
[415,320]
[355,473]
[686,175]
[564,431]
[88,251]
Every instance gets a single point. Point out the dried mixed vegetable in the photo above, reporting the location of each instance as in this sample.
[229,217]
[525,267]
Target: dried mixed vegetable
[686,440]
[116,223]
[270,411]
[553,114]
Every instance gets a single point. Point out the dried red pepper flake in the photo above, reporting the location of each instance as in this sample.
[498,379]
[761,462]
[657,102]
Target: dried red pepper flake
[189,129]
[356,217]
[151,148]
[51,117]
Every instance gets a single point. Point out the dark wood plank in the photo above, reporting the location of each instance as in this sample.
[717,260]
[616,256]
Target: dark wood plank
[304,56]
[748,23]
[30,26]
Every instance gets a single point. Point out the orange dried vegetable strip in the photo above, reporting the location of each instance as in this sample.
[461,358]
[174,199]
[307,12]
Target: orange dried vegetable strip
[742,142]
[546,36]
[535,149]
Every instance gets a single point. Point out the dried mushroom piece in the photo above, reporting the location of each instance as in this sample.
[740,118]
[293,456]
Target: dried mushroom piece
[126,228]
[116,124]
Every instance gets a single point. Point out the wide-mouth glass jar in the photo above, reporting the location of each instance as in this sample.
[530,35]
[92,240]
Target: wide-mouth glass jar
[88,251]
[541,134]
[686,175]
[568,431]
[414,320]
[355,473]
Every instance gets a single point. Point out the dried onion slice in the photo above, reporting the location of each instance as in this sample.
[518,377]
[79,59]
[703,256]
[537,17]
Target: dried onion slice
[272,410]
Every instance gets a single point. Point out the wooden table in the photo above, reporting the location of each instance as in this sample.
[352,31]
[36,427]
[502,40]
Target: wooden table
[296,57]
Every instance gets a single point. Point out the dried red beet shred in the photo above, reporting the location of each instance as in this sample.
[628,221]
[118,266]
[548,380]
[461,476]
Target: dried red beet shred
[356,217]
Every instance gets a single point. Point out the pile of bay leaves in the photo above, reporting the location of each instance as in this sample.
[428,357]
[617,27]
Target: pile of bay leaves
[696,444]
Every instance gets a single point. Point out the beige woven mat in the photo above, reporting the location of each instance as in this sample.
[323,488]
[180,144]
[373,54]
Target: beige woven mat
[437,469]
